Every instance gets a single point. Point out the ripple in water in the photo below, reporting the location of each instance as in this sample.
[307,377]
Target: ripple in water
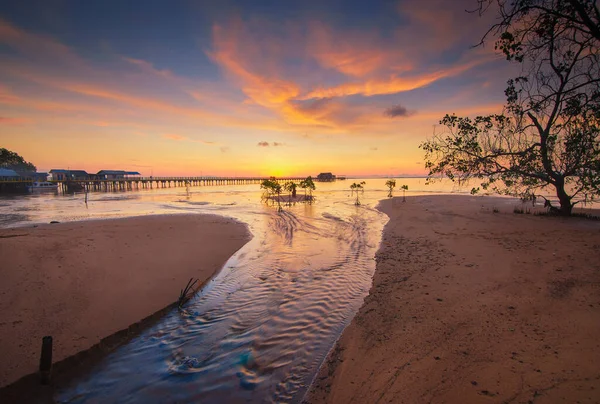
[260,330]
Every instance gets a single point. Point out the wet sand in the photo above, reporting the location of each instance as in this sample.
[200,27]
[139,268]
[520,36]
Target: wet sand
[83,281]
[472,306]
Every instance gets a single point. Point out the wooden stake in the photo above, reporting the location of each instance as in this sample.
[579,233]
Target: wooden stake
[46,360]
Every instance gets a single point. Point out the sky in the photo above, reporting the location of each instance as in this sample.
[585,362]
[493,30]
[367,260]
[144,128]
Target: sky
[240,88]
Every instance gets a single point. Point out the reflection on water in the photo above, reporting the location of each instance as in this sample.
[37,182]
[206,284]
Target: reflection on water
[43,208]
[259,331]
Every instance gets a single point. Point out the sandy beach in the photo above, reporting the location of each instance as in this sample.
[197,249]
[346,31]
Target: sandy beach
[83,281]
[469,305]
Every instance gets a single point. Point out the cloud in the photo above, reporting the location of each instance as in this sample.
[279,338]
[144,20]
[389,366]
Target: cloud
[396,111]
[254,55]
[276,144]
[373,148]
[394,84]
[177,138]
[13,121]
[263,144]
[351,53]
[130,88]
[180,138]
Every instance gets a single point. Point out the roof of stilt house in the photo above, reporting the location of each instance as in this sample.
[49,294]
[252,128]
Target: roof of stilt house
[77,173]
[117,172]
[6,172]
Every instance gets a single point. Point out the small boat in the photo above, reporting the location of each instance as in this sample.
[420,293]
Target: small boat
[43,186]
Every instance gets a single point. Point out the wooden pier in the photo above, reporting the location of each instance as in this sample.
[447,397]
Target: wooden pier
[136,183]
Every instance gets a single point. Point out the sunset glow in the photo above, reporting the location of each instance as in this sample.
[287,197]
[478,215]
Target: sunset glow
[243,88]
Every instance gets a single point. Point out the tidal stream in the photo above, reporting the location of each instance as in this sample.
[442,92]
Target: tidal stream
[258,331]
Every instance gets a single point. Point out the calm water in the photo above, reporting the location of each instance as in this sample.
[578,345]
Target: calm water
[227,200]
[260,330]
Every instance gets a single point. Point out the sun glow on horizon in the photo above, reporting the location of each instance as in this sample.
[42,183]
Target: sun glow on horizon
[345,99]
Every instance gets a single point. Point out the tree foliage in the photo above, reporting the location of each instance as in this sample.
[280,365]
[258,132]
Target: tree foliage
[355,187]
[290,186]
[272,188]
[308,184]
[13,161]
[404,188]
[391,184]
[548,134]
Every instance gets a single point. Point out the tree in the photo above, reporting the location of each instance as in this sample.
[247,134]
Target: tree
[291,186]
[309,184]
[391,184]
[548,134]
[13,161]
[404,189]
[355,187]
[272,188]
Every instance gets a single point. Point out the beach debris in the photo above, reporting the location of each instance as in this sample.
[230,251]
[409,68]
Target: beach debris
[46,360]
[186,293]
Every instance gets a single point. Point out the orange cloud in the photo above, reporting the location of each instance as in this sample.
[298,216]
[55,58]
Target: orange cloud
[392,85]
[13,121]
[264,91]
[179,138]
[351,54]
[245,55]
[7,96]
[174,137]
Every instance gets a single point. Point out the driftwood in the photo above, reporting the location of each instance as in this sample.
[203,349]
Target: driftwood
[553,210]
[186,293]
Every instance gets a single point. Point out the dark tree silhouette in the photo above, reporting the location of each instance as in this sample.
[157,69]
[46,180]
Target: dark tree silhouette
[391,184]
[404,189]
[13,161]
[308,184]
[548,134]
[356,187]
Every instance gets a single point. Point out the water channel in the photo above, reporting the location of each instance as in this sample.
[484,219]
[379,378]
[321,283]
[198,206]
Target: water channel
[259,331]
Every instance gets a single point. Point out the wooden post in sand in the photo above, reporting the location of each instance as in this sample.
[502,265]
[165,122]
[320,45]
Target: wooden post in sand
[46,360]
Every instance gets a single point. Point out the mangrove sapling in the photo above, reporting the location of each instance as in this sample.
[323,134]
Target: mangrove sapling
[266,187]
[355,187]
[291,186]
[404,189]
[278,192]
[272,188]
[391,184]
[269,186]
[308,184]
